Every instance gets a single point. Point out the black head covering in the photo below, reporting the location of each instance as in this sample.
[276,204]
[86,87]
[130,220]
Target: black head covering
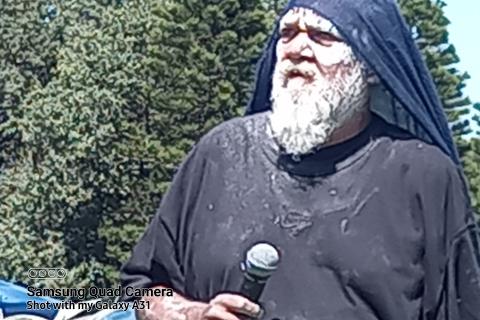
[380,37]
[378,34]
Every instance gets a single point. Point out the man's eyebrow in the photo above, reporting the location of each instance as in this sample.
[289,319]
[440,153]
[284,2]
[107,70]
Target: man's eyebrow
[319,27]
[316,27]
[331,29]
[287,25]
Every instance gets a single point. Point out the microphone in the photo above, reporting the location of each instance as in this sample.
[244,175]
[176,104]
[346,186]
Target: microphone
[260,263]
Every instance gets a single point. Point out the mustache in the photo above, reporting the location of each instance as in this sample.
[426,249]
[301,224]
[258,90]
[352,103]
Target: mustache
[303,69]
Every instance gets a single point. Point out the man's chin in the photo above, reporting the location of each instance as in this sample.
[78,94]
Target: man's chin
[301,144]
[299,152]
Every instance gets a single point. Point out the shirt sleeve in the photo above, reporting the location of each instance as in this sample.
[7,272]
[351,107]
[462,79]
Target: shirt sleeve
[157,258]
[452,261]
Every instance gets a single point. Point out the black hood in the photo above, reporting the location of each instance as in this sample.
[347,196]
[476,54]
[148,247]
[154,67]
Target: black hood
[375,29]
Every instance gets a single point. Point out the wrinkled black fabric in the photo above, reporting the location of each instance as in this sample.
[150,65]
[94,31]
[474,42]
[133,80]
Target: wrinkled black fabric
[378,34]
[370,229]
[376,228]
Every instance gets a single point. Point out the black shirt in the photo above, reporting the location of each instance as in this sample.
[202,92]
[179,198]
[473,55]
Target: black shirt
[372,228]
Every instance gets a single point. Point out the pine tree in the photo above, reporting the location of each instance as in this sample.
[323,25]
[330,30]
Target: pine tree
[31,35]
[275,6]
[429,29]
[472,163]
[83,150]
[206,56]
[133,88]
[476,118]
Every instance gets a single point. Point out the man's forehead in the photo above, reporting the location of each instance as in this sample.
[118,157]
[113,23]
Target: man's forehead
[307,17]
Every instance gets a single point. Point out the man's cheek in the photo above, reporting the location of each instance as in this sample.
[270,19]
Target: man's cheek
[284,49]
[334,55]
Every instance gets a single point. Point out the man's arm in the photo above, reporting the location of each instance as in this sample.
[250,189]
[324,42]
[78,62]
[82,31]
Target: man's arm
[157,259]
[452,270]
[463,285]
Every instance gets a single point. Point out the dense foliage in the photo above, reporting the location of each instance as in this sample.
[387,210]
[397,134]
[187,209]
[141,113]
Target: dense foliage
[130,87]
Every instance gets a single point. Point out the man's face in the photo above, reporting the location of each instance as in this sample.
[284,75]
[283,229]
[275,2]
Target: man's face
[318,84]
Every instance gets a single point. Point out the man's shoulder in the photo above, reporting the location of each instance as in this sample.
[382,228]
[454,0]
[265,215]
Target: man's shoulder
[423,156]
[407,149]
[237,132]
[234,130]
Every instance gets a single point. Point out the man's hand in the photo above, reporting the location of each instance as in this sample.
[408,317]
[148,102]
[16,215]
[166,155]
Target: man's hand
[224,306]
[227,306]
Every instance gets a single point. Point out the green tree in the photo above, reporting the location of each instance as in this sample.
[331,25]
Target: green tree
[476,118]
[83,150]
[135,84]
[275,6]
[471,164]
[30,38]
[429,29]
[205,56]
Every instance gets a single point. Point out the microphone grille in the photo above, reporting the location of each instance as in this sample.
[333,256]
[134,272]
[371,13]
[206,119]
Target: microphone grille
[262,260]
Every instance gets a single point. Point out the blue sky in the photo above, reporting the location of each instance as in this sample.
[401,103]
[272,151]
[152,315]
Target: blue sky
[464,31]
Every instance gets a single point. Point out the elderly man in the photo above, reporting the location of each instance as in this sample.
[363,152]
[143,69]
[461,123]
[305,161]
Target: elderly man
[364,198]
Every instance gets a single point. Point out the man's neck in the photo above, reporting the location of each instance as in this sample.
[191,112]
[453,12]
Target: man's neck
[350,129]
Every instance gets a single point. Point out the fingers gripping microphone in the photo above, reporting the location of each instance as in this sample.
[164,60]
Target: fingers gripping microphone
[260,262]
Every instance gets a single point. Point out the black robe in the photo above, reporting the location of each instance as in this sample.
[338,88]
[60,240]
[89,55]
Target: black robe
[373,228]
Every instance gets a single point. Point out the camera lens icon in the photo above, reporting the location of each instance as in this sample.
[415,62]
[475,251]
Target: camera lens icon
[33,273]
[47,273]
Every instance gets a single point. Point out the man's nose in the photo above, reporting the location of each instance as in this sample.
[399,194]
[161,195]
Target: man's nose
[299,48]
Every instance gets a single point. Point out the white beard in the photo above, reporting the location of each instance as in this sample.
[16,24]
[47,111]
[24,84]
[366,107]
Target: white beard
[304,115]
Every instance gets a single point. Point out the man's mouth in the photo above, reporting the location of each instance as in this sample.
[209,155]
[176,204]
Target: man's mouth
[299,75]
[295,72]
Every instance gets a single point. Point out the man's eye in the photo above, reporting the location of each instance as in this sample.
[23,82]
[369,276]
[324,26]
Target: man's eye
[322,37]
[288,33]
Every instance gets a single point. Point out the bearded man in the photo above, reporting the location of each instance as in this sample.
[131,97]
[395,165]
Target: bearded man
[359,188]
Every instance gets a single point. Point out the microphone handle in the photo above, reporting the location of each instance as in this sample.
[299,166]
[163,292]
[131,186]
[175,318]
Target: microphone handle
[252,287]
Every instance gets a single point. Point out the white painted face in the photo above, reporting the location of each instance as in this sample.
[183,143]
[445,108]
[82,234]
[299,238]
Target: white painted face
[318,84]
